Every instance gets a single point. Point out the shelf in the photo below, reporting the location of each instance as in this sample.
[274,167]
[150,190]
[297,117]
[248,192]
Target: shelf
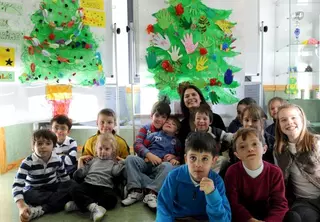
[297,2]
[295,47]
[298,73]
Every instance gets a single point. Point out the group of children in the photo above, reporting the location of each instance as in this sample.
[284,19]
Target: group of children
[253,188]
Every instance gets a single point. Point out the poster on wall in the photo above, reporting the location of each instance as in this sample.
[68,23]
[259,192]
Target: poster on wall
[7,56]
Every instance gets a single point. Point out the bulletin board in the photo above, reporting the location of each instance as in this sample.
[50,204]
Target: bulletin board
[53,42]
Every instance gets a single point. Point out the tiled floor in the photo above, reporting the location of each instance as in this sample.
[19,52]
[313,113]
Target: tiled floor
[9,212]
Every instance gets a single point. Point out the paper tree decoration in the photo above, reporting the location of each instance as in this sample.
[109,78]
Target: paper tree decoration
[60,48]
[292,87]
[190,43]
[59,96]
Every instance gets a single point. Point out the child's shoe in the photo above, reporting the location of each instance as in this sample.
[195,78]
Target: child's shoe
[35,212]
[151,200]
[71,206]
[132,198]
[97,212]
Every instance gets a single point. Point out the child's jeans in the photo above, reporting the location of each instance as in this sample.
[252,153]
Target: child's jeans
[51,197]
[144,175]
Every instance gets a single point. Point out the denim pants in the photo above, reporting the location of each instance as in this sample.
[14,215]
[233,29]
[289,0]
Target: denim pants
[144,175]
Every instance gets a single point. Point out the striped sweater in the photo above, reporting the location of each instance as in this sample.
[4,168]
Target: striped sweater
[34,172]
[139,146]
[68,153]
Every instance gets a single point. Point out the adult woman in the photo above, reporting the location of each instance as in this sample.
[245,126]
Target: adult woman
[191,98]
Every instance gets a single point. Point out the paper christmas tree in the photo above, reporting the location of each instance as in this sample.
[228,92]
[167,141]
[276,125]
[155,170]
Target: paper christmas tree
[61,49]
[190,44]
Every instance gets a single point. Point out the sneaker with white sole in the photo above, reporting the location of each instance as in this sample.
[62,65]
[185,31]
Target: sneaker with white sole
[132,198]
[97,212]
[151,200]
[71,206]
[35,212]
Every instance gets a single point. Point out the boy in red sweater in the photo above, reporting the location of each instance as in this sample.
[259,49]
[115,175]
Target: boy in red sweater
[255,188]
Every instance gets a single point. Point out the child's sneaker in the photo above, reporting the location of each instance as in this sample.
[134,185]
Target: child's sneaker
[132,198]
[151,200]
[97,212]
[35,212]
[71,206]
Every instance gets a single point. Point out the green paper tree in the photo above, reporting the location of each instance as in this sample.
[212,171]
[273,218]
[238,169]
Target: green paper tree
[61,49]
[190,44]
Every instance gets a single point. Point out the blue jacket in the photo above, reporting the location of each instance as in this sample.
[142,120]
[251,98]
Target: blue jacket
[179,197]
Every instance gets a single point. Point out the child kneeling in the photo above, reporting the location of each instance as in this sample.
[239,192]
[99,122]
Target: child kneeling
[193,191]
[96,192]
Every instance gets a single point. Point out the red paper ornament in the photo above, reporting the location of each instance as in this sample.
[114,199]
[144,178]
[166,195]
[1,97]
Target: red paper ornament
[87,46]
[165,64]
[179,9]
[213,82]
[33,67]
[52,36]
[70,24]
[203,51]
[150,29]
[30,50]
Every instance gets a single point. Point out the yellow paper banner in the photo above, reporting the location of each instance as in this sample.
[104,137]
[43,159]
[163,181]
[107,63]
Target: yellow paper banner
[6,56]
[94,4]
[94,18]
[58,92]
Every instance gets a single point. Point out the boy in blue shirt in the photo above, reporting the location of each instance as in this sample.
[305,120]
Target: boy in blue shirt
[193,191]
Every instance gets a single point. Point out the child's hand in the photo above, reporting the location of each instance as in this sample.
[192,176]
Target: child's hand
[206,185]
[119,158]
[254,220]
[155,160]
[24,213]
[174,162]
[86,158]
[169,157]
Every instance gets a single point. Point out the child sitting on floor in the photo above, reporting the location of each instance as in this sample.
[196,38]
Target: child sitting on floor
[66,147]
[96,192]
[149,171]
[42,184]
[193,191]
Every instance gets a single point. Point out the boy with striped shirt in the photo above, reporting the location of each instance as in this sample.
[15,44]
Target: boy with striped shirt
[41,184]
[66,146]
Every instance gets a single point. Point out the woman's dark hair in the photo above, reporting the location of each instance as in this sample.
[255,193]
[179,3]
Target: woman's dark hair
[201,142]
[184,109]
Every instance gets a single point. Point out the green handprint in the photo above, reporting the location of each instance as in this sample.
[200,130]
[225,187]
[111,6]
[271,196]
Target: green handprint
[164,19]
[206,42]
[151,60]
[194,7]
[214,97]
[186,23]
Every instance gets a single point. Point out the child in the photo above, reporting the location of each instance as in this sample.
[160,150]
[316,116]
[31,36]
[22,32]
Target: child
[95,193]
[253,116]
[106,122]
[159,114]
[273,106]
[41,185]
[237,123]
[202,122]
[66,147]
[149,170]
[297,154]
[255,188]
[193,191]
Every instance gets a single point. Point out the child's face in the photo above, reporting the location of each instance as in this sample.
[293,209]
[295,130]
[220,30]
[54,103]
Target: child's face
[191,98]
[249,122]
[202,121]
[273,109]
[158,120]
[104,150]
[170,126]
[199,164]
[43,148]
[105,124]
[291,123]
[240,109]
[61,131]
[250,149]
